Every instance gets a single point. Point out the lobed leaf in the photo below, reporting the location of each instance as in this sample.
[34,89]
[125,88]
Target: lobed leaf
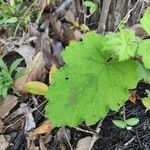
[144,52]
[89,84]
[122,44]
[145,21]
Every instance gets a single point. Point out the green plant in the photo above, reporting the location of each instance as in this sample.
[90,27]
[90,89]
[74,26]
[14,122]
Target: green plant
[91,5]
[6,80]
[127,123]
[11,13]
[99,71]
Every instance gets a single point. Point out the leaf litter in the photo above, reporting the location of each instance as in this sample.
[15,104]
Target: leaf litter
[41,49]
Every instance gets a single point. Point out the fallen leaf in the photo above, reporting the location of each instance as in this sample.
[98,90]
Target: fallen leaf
[77,35]
[45,127]
[41,144]
[146,102]
[1,125]
[57,27]
[84,143]
[34,72]
[27,52]
[30,123]
[24,109]
[132,96]
[63,135]
[84,27]
[69,16]
[57,48]
[7,104]
[36,87]
[46,49]
[3,143]
[51,72]
[33,32]
[139,31]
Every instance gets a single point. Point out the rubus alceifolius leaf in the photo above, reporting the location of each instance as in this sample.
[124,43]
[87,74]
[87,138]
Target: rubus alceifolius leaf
[89,84]
[144,52]
[122,44]
[145,21]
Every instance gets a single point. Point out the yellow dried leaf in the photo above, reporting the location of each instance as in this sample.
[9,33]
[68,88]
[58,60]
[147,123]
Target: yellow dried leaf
[76,24]
[36,87]
[34,71]
[84,27]
[51,72]
[146,102]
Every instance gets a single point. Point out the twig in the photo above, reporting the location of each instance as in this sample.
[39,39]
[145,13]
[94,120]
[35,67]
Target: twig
[63,6]
[96,136]
[103,17]
[130,141]
[40,13]
[82,130]
[68,141]
[127,16]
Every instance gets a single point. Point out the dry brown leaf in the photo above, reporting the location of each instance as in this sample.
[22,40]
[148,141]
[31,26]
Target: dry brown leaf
[77,35]
[27,52]
[33,32]
[57,48]
[69,16]
[139,31]
[41,144]
[3,143]
[132,96]
[1,125]
[7,104]
[46,127]
[46,49]
[57,27]
[84,143]
[51,72]
[34,72]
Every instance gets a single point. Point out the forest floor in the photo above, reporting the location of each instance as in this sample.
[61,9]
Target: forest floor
[23,125]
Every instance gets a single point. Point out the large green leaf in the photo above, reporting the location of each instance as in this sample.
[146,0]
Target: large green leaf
[143,73]
[145,21]
[122,44]
[144,51]
[89,84]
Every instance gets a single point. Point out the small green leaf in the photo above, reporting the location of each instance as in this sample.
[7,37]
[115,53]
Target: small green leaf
[20,73]
[91,5]
[12,20]
[122,44]
[120,123]
[12,3]
[145,21]
[14,65]
[132,121]
[143,73]
[2,64]
[144,52]
[146,102]
[148,93]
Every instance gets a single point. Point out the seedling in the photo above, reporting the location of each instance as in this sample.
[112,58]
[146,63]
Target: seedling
[126,123]
[6,80]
